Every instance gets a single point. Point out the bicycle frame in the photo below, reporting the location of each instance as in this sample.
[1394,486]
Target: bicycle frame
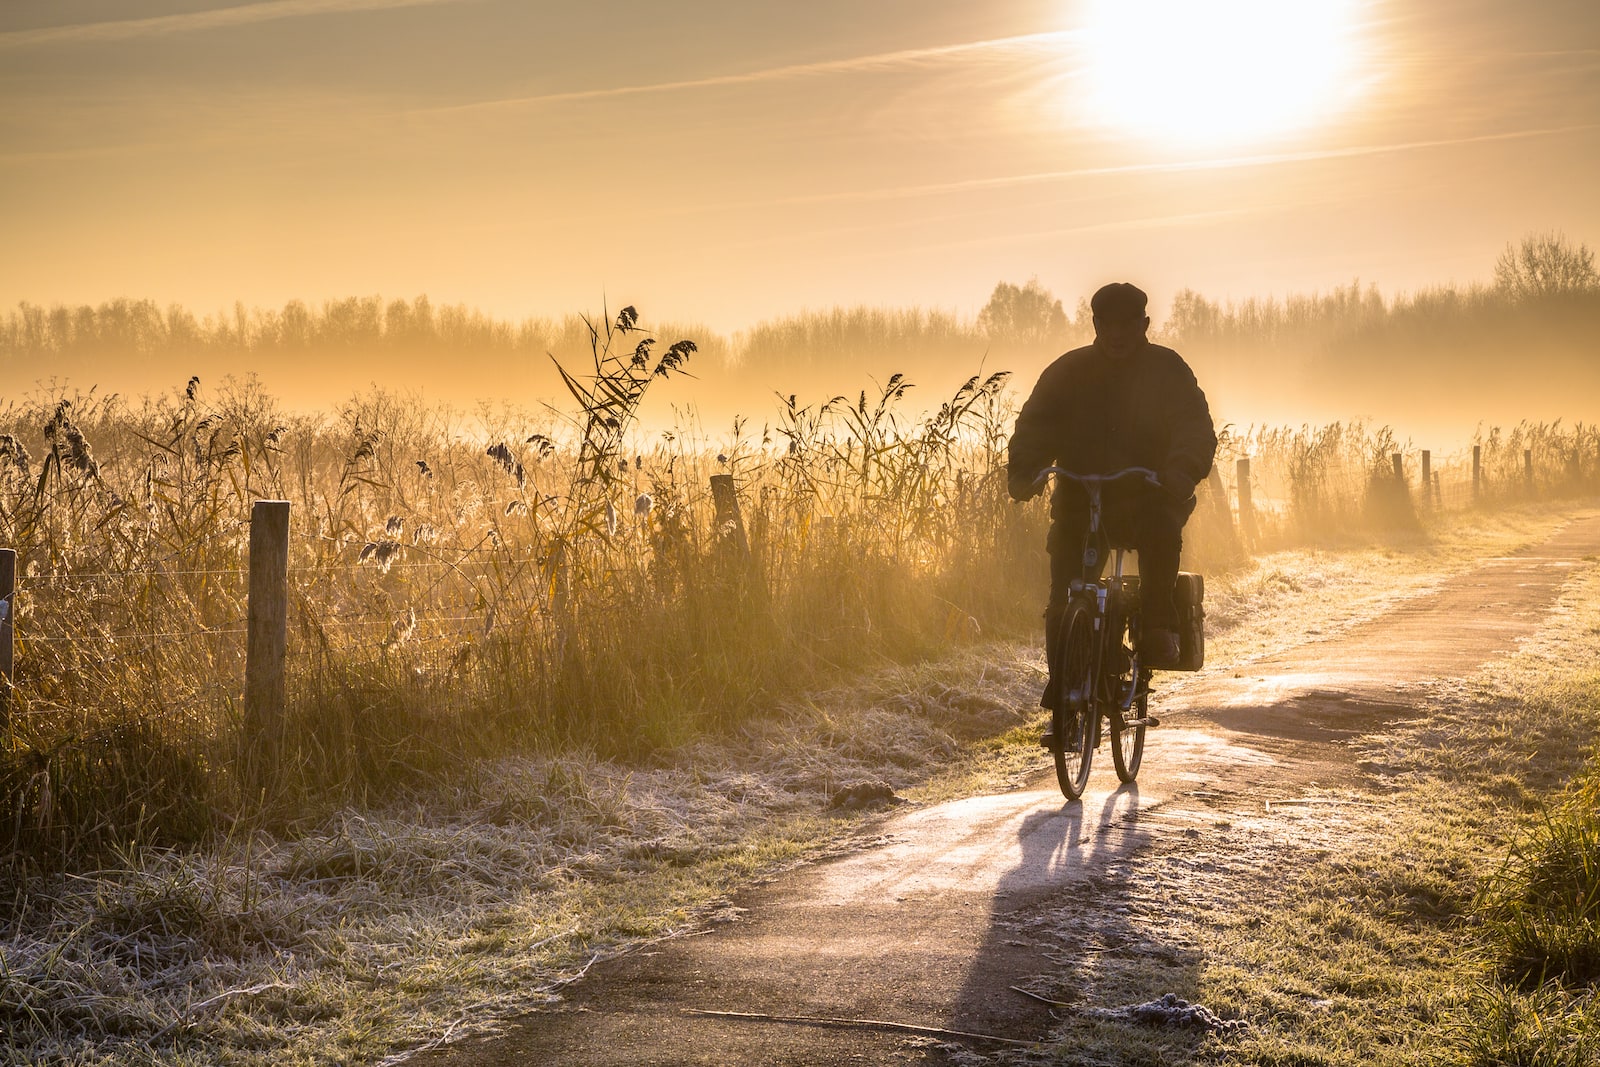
[1115,688]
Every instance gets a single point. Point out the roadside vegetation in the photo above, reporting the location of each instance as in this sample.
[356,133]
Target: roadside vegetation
[549,584]
[392,925]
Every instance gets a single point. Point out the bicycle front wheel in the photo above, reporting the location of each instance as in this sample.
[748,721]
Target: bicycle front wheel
[1127,742]
[1072,722]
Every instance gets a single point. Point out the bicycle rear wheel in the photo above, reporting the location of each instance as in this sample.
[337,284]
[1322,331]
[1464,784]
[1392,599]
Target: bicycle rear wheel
[1072,722]
[1127,742]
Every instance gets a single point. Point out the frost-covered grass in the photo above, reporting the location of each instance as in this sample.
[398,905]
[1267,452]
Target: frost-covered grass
[373,930]
[380,930]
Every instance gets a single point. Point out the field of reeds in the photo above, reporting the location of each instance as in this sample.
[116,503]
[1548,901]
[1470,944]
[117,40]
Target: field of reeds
[524,582]
[552,581]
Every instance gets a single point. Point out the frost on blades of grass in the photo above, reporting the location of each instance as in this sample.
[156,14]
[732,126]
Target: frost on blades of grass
[382,929]
[370,931]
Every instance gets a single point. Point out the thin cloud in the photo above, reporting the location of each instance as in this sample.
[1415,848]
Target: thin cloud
[220,18]
[854,64]
[1226,163]
[1189,218]
[891,250]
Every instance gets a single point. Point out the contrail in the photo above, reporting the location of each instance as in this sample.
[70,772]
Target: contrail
[162,25]
[878,61]
[1274,159]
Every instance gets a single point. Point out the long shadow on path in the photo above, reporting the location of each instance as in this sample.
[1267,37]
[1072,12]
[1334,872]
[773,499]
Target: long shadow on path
[1049,914]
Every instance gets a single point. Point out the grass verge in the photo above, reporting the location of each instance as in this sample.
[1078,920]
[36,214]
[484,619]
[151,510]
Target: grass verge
[376,931]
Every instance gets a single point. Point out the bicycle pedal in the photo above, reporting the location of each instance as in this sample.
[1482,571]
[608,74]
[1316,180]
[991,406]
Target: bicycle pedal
[1148,720]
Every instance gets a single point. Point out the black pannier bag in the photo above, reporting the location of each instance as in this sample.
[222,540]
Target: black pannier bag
[1189,596]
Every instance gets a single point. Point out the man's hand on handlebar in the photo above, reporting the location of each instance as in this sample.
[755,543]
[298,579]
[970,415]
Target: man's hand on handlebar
[1024,488]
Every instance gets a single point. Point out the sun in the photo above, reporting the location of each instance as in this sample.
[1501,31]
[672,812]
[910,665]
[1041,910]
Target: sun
[1216,72]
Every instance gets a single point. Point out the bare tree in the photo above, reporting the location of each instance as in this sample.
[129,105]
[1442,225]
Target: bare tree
[1025,314]
[1545,263]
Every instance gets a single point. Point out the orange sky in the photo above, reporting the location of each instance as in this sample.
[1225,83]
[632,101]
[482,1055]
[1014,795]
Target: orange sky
[727,161]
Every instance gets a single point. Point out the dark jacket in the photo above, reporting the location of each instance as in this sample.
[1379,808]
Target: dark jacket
[1095,413]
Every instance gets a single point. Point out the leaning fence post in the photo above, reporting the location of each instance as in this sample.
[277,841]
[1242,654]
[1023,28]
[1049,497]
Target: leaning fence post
[730,521]
[732,540]
[267,631]
[8,600]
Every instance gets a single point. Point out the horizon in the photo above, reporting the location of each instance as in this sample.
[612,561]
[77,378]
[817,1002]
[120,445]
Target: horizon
[1348,356]
[732,165]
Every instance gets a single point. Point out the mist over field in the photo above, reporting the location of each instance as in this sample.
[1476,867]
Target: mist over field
[1440,363]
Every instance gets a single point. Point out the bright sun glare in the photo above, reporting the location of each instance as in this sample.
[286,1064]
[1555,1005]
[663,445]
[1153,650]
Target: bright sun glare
[1217,72]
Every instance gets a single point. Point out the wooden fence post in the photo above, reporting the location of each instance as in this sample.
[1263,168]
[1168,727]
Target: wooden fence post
[729,520]
[1427,477]
[266,637]
[1399,469]
[8,600]
[1477,470]
[1527,467]
[733,543]
[1216,495]
[1247,506]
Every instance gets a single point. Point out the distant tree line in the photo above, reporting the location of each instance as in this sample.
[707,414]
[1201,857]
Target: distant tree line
[142,326]
[1543,273]
[1535,327]
[1543,303]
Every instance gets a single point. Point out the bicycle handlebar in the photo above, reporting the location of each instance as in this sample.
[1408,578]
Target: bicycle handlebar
[1087,480]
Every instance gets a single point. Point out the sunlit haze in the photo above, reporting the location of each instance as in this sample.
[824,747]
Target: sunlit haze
[728,163]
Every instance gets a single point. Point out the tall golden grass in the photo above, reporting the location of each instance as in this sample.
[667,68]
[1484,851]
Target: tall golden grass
[466,588]
[460,590]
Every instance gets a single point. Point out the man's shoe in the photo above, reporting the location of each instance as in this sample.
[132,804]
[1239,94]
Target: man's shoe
[1048,738]
[1160,649]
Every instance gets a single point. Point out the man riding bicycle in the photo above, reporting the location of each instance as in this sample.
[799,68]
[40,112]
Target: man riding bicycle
[1117,403]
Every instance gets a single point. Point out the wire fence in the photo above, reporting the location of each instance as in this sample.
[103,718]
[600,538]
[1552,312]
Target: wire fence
[82,632]
[174,641]
[371,585]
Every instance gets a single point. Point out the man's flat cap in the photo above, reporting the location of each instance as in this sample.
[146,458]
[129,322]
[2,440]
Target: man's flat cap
[1118,300]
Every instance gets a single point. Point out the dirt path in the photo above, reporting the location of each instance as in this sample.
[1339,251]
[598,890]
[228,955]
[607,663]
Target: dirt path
[924,928]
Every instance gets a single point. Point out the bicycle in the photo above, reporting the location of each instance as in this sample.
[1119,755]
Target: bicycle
[1097,675]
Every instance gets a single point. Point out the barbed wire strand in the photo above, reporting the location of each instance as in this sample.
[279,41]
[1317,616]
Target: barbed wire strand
[24,638]
[70,576]
[371,619]
[34,579]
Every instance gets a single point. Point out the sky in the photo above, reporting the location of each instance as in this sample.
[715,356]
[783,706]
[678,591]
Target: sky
[725,162]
